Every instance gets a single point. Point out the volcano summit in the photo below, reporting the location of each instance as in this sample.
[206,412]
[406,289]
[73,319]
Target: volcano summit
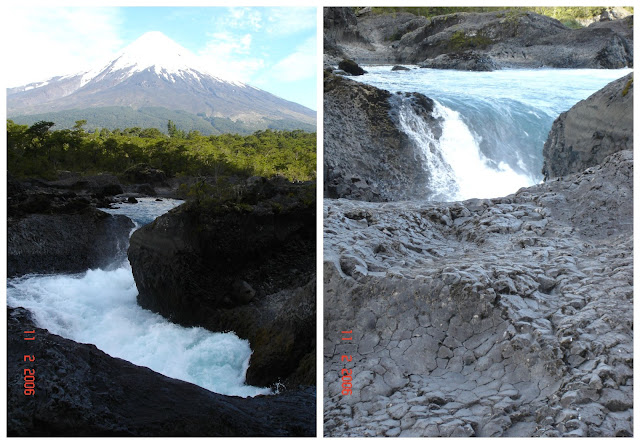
[153,80]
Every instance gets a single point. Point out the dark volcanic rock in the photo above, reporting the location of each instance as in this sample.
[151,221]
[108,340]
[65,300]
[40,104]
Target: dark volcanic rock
[246,265]
[506,38]
[65,243]
[100,185]
[146,189]
[351,67]
[366,156]
[81,391]
[467,61]
[49,231]
[591,130]
[144,174]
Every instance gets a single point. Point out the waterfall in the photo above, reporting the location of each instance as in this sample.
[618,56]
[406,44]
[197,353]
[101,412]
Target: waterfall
[457,168]
[493,124]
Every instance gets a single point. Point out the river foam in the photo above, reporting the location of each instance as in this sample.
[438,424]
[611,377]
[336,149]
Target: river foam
[99,307]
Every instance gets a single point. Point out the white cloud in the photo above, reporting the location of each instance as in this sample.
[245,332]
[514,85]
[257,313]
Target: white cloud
[46,42]
[299,65]
[288,20]
[241,19]
[227,55]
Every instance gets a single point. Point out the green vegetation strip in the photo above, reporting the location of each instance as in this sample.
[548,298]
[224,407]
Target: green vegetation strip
[39,151]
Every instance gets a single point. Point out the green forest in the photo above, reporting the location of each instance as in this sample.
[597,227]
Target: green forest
[40,151]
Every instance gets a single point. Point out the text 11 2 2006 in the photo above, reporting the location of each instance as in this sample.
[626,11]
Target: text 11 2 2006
[29,373]
[346,373]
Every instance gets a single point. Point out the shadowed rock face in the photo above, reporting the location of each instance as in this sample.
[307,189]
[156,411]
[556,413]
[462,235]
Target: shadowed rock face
[246,266]
[341,25]
[591,130]
[501,317]
[81,391]
[503,39]
[351,67]
[53,227]
[65,243]
[366,156]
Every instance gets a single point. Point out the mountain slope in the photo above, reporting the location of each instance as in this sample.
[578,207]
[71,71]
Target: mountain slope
[154,71]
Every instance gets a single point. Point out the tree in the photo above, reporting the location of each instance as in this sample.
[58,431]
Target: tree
[151,133]
[173,131]
[40,129]
[79,126]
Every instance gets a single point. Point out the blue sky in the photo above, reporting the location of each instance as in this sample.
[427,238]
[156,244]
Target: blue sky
[271,48]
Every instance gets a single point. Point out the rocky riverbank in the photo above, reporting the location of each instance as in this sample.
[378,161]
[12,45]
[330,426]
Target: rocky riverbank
[81,391]
[365,153]
[475,41]
[499,317]
[56,227]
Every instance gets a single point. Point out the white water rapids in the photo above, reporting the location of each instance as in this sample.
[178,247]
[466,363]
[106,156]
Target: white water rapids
[99,307]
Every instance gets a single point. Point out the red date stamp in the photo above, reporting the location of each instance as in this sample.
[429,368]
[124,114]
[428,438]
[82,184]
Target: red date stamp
[347,373]
[29,374]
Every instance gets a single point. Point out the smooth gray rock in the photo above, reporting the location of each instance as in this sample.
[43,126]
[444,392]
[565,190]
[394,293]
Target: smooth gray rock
[591,130]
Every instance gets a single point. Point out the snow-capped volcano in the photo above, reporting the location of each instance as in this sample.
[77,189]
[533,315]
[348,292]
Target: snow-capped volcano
[154,71]
[156,51]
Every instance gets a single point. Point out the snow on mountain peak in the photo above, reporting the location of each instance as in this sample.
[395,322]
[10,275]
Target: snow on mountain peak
[155,50]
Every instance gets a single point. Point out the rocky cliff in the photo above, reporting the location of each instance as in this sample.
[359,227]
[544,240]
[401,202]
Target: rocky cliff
[246,264]
[366,156]
[55,227]
[81,391]
[503,39]
[591,130]
[340,25]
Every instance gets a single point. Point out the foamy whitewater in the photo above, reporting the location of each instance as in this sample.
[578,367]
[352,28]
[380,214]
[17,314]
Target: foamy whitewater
[99,307]
[494,123]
